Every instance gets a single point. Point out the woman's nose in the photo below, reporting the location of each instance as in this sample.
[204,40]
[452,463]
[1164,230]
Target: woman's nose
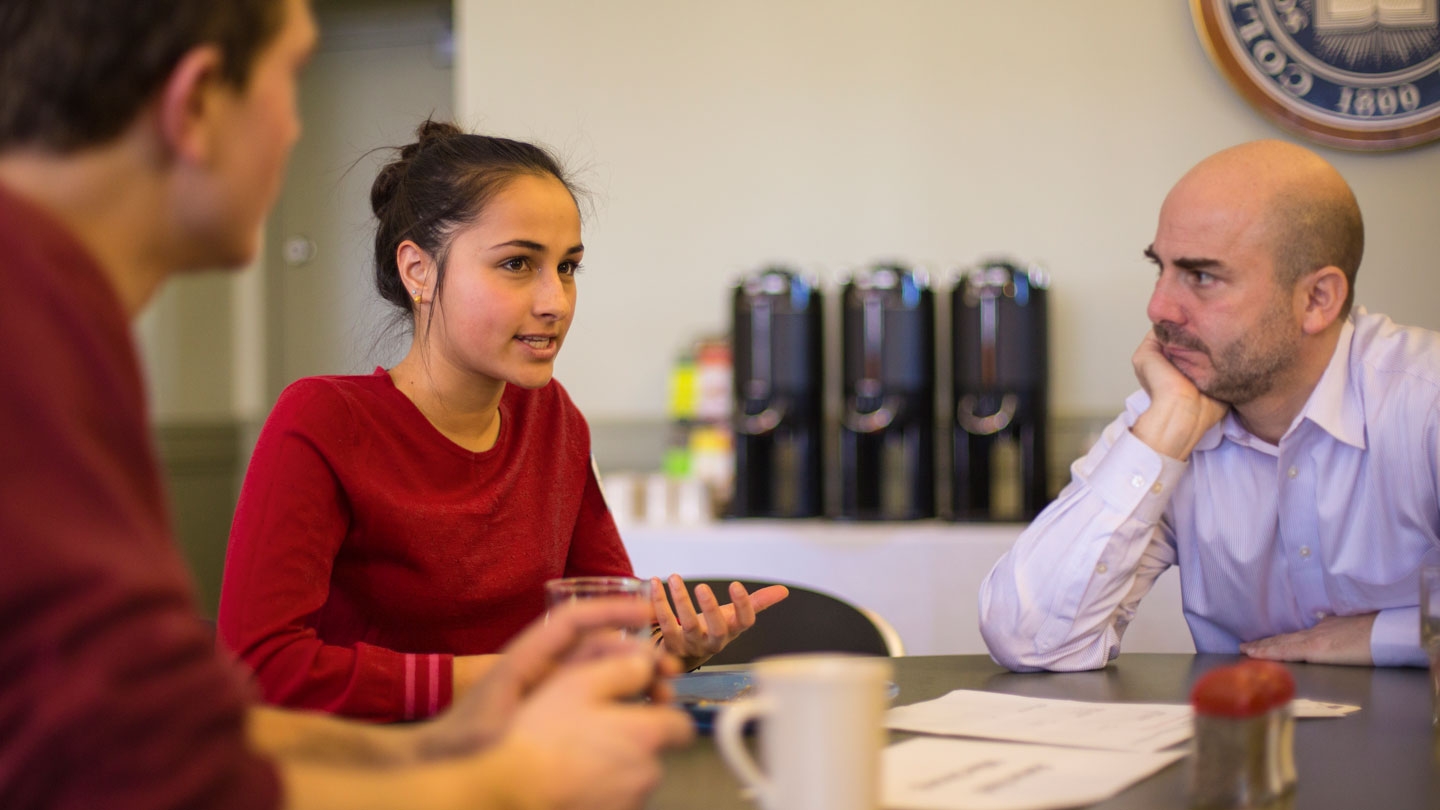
[554,297]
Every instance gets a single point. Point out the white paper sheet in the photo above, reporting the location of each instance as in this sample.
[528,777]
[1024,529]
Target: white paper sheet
[995,716]
[1305,708]
[929,773]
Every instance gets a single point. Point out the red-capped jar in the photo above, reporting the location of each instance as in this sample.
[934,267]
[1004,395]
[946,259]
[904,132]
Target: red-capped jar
[1244,735]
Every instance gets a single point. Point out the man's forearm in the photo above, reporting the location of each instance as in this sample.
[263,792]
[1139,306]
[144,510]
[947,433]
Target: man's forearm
[320,739]
[469,670]
[1053,601]
[484,781]
[1333,640]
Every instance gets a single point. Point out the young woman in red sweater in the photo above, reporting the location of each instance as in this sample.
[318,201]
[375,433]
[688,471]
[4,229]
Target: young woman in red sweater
[395,529]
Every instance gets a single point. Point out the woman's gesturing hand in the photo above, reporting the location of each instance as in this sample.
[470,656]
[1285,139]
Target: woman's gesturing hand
[694,635]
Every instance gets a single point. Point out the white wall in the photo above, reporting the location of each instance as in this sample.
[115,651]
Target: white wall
[199,342]
[718,136]
[219,347]
[379,72]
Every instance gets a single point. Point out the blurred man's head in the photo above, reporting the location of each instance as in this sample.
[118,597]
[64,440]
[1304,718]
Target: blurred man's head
[196,95]
[74,73]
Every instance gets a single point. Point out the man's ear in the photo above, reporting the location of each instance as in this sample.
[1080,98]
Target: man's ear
[187,104]
[1324,291]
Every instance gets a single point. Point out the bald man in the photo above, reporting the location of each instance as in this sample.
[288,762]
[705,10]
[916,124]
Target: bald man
[1282,451]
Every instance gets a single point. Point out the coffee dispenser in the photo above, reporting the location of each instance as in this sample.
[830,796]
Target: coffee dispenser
[1001,381]
[887,424]
[779,396]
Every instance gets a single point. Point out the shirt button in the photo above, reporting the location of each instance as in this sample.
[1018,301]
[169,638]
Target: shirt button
[1292,472]
[1101,568]
[1319,614]
[1304,551]
[1156,489]
[1137,482]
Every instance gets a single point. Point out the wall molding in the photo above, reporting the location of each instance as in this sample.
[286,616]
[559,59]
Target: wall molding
[203,463]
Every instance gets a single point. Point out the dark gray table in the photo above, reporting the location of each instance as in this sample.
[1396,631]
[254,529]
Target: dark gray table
[1384,756]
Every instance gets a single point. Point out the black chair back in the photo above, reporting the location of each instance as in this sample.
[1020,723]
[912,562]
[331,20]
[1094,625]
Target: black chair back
[806,621]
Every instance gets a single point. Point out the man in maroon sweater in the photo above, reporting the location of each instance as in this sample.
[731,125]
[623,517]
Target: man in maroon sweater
[140,140]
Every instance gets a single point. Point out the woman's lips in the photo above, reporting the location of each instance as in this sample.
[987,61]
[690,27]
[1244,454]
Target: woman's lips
[541,346]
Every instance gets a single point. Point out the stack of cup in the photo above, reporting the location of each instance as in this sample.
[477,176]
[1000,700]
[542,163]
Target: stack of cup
[1244,736]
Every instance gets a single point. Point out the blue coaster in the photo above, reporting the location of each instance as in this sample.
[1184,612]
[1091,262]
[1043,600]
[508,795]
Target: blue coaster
[703,693]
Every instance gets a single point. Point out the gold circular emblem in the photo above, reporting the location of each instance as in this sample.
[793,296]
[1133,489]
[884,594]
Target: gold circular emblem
[1355,74]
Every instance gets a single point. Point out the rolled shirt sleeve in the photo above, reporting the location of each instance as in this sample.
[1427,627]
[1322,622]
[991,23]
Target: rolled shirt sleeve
[1061,598]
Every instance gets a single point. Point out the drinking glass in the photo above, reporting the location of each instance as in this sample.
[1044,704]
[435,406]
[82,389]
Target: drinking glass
[572,589]
[1430,630]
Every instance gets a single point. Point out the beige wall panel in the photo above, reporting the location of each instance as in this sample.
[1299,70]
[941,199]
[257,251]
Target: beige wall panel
[718,136]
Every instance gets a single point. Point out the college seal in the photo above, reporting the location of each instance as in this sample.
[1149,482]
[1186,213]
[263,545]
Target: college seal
[1357,74]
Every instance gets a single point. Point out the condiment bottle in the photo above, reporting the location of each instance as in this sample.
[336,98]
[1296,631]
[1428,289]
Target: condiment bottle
[1244,736]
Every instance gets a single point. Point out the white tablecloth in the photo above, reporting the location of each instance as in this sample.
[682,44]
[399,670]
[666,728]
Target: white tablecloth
[923,577]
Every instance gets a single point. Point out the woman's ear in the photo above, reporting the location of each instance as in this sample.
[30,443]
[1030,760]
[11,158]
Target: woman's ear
[1325,291]
[415,267]
[188,113]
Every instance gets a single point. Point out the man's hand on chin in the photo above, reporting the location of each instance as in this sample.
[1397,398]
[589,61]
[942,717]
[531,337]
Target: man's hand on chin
[1335,640]
[1179,414]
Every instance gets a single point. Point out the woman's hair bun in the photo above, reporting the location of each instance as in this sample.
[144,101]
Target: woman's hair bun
[388,179]
[432,130]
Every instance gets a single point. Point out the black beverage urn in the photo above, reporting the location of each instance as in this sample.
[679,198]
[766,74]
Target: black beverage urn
[887,423]
[1001,382]
[779,396]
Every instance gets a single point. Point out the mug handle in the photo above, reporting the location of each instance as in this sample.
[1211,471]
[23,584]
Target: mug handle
[729,734]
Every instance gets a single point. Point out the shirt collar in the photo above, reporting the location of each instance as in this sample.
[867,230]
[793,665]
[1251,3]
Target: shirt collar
[1227,428]
[1334,406]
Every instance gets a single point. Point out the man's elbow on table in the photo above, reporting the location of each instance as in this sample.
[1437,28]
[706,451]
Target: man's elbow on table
[1014,643]
[1024,655]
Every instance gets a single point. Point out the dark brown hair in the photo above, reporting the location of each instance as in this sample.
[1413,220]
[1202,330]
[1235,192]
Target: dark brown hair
[75,73]
[1312,231]
[438,184]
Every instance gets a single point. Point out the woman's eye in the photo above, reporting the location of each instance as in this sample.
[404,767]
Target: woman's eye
[570,268]
[516,264]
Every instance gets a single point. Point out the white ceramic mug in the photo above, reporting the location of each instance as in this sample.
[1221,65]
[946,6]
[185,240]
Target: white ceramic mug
[822,725]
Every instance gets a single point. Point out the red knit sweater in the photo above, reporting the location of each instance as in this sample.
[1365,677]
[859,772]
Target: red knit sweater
[368,548]
[111,694]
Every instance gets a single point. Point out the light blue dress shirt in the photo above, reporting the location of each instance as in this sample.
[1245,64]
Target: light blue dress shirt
[1335,520]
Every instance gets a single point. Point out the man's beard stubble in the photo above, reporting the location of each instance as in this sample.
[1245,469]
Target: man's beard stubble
[1245,369]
